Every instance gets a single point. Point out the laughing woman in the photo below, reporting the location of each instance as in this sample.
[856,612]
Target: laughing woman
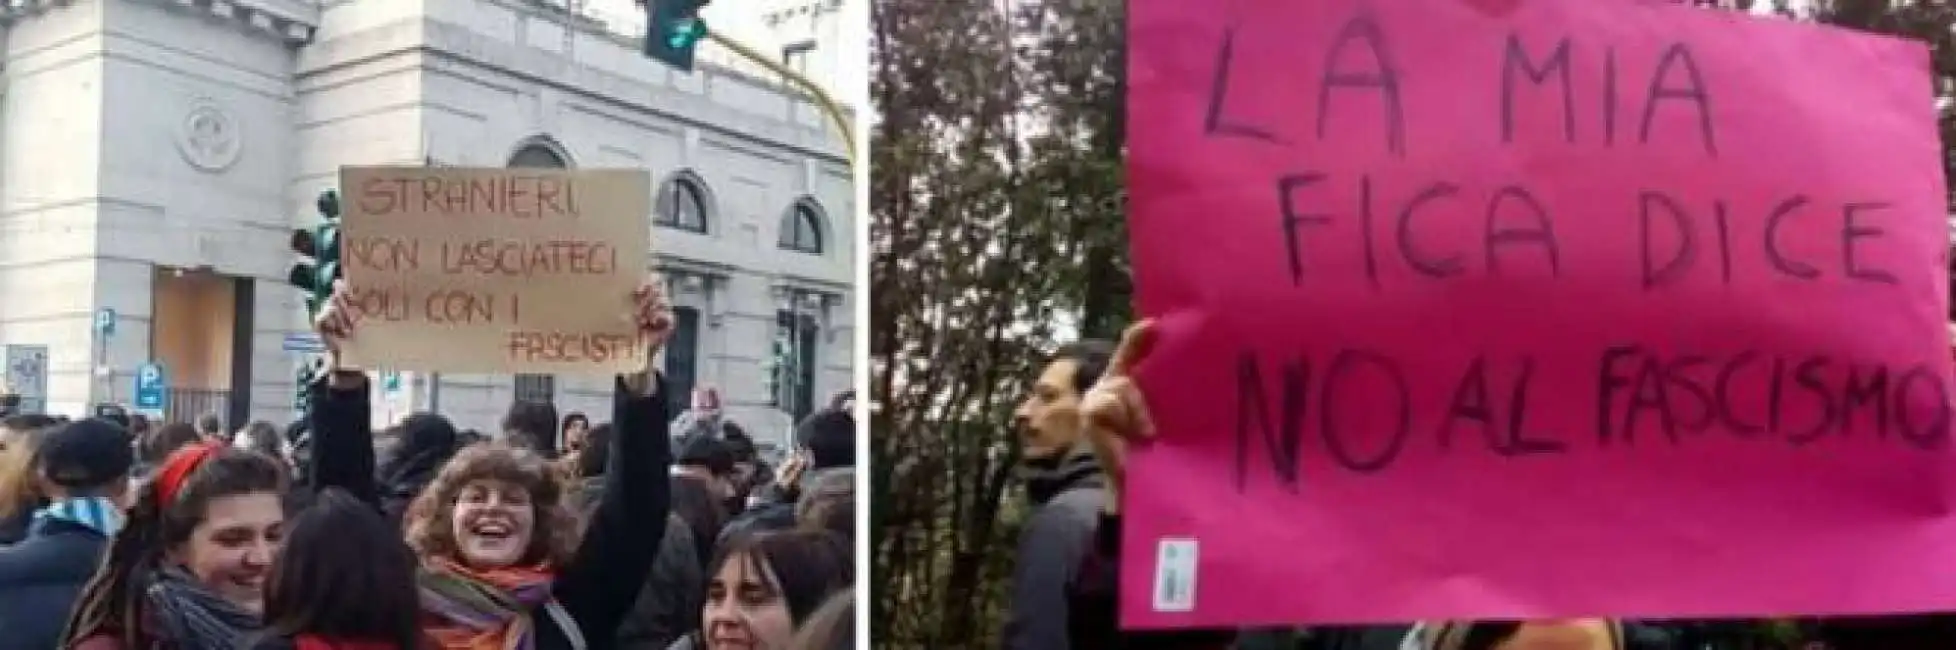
[502,562]
[186,571]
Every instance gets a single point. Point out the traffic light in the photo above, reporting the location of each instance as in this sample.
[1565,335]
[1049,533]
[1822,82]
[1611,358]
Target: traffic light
[319,254]
[304,376]
[673,29]
[780,367]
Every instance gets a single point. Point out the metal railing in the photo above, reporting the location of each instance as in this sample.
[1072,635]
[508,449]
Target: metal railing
[188,404]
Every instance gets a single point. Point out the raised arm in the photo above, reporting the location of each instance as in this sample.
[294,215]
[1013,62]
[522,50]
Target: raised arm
[622,541]
[340,412]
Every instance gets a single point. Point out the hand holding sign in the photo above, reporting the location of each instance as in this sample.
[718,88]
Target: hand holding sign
[1115,411]
[653,316]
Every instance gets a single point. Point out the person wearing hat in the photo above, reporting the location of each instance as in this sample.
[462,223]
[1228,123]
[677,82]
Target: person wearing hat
[711,461]
[83,469]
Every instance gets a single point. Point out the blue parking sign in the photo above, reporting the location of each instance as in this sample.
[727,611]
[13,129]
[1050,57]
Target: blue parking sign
[150,383]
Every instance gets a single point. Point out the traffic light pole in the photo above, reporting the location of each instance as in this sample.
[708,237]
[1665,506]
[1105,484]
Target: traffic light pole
[822,99]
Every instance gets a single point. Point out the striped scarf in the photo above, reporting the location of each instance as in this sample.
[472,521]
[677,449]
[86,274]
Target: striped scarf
[99,514]
[483,610]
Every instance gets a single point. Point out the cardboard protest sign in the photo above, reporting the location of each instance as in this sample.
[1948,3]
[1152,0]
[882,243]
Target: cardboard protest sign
[1530,309]
[495,270]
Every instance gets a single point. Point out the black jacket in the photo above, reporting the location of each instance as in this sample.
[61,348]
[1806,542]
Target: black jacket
[13,529]
[1066,495]
[41,577]
[600,584]
[427,442]
[669,607]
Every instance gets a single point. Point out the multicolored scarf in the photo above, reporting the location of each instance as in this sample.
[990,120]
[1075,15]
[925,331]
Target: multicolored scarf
[483,610]
[99,514]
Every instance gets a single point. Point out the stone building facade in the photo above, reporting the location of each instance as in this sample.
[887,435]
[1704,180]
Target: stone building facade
[155,156]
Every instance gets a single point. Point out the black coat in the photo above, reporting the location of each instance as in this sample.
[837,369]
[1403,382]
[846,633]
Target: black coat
[598,586]
[13,529]
[40,578]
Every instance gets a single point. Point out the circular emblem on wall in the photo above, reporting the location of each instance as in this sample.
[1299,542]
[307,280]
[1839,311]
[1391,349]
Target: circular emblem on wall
[209,138]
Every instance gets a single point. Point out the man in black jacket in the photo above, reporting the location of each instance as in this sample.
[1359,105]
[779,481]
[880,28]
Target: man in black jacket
[83,467]
[1065,486]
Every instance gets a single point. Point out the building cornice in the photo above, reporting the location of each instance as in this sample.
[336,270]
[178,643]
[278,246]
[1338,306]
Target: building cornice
[290,21]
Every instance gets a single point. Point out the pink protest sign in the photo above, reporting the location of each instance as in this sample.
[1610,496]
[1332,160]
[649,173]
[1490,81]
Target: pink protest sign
[1532,309]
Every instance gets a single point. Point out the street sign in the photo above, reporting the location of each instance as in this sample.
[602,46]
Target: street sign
[305,343]
[390,383]
[27,376]
[105,321]
[150,384]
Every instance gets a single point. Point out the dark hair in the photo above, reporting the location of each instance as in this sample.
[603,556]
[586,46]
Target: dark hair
[429,520]
[808,566]
[532,425]
[574,416]
[830,438]
[739,444]
[1091,357]
[28,422]
[833,627]
[265,439]
[694,502]
[211,424]
[597,451]
[160,441]
[842,399]
[343,572]
[112,601]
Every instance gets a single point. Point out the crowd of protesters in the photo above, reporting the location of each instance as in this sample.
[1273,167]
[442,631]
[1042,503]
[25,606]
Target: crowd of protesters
[643,532]
[1075,424]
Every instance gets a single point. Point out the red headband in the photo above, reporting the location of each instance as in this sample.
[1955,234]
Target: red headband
[183,461]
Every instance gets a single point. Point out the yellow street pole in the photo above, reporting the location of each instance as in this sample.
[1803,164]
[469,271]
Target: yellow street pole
[822,99]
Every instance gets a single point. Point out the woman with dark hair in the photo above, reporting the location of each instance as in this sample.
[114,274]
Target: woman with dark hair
[186,571]
[343,581]
[573,432]
[504,561]
[761,588]
[427,441]
[833,627]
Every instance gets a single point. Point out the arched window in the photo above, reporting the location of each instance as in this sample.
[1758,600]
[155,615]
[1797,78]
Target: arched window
[801,228]
[538,155]
[681,204]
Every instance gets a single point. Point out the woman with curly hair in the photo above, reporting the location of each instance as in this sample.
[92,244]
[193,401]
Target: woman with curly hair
[502,560]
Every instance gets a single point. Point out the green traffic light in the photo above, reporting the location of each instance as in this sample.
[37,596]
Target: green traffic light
[685,33]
